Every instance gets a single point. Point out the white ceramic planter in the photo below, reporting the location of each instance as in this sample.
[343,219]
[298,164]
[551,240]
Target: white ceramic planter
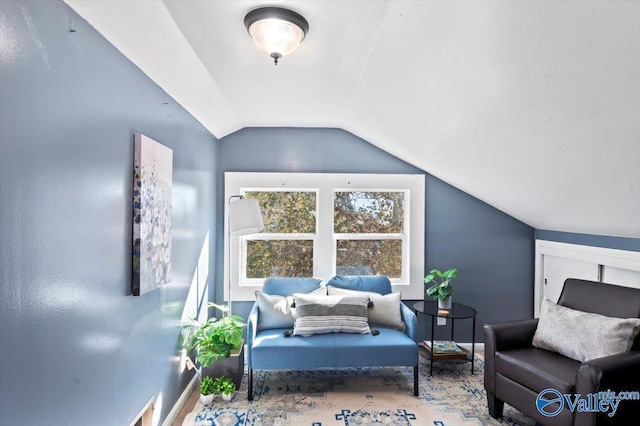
[227,397]
[444,304]
[206,399]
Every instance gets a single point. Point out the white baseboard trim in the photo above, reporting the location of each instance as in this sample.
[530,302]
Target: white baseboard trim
[175,411]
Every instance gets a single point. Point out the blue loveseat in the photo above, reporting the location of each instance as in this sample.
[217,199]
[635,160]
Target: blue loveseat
[271,349]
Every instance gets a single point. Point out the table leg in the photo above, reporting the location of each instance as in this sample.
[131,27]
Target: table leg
[433,322]
[453,321]
[473,343]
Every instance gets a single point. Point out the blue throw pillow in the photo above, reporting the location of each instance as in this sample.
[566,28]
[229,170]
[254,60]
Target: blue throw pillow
[377,283]
[286,286]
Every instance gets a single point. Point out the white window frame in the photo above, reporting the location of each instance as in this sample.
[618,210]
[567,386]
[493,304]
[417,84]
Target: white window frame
[326,184]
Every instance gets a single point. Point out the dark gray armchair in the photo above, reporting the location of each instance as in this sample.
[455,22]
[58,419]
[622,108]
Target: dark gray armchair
[516,372]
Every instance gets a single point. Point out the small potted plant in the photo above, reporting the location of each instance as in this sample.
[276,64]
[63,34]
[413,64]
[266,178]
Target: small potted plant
[225,387]
[441,288]
[206,390]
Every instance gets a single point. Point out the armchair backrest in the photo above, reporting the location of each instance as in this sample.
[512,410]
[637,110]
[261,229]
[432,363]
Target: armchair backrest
[286,286]
[604,299]
[378,283]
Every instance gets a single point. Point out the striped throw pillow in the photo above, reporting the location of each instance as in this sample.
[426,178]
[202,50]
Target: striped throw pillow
[385,311]
[330,314]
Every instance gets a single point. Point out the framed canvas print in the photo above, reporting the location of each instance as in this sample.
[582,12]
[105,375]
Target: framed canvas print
[152,191]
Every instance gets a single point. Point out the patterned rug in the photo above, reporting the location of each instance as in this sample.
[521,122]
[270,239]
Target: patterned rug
[359,396]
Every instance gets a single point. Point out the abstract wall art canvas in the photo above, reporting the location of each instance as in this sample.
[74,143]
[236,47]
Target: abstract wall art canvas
[152,190]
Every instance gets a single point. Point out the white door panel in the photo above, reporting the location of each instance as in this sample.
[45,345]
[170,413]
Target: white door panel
[556,261]
[558,269]
[619,276]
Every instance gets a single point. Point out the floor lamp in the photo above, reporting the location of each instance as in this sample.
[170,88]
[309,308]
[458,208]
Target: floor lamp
[243,218]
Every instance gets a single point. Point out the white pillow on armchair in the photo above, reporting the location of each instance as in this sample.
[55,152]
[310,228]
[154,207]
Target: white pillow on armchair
[583,335]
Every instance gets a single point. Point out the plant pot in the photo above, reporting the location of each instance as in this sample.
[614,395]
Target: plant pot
[444,304]
[232,367]
[227,396]
[206,399]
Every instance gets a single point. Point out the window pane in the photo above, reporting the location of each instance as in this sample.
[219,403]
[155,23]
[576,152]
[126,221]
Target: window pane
[287,212]
[369,257]
[279,258]
[368,212]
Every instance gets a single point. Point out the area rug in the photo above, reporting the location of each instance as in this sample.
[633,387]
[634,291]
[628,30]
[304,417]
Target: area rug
[359,396]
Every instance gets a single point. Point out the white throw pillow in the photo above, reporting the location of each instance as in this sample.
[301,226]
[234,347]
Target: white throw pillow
[583,335]
[385,311]
[276,310]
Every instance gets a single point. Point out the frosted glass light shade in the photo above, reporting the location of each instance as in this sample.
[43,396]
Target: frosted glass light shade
[276,31]
[276,36]
[245,217]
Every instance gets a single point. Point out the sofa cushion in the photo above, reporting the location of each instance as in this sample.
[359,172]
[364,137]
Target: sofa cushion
[583,335]
[276,310]
[271,350]
[385,311]
[330,314]
[286,286]
[538,369]
[378,283]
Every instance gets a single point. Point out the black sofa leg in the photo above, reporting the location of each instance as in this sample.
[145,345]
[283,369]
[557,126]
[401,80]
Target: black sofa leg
[250,385]
[415,381]
[495,406]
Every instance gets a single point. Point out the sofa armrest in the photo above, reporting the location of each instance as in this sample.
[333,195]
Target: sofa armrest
[504,336]
[410,322]
[252,329]
[616,373]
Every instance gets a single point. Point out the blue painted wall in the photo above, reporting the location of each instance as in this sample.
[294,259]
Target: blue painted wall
[75,347]
[493,252]
[619,243]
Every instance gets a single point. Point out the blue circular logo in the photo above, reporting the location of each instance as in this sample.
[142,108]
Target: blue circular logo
[545,400]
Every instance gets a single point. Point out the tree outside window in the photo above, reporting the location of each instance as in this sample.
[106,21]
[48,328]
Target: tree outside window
[285,248]
[369,232]
[368,229]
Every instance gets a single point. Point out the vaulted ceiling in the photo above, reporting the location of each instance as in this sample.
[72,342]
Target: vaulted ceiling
[530,106]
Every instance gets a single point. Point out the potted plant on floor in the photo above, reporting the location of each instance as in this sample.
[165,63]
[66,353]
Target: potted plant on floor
[206,390]
[225,387]
[216,340]
[441,288]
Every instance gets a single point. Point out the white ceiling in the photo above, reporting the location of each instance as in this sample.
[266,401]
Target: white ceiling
[530,106]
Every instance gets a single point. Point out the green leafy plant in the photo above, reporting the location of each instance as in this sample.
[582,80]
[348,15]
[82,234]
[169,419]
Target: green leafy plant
[207,386]
[224,385]
[441,288]
[214,339]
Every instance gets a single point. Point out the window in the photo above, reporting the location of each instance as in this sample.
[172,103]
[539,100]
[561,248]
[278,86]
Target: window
[285,248]
[330,224]
[368,227]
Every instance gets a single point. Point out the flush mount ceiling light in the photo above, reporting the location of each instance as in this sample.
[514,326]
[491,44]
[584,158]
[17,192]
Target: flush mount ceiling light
[276,31]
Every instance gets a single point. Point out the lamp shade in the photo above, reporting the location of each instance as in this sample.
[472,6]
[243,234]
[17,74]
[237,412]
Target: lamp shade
[276,31]
[245,217]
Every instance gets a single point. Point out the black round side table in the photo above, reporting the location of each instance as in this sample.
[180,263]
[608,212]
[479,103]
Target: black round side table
[457,311]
